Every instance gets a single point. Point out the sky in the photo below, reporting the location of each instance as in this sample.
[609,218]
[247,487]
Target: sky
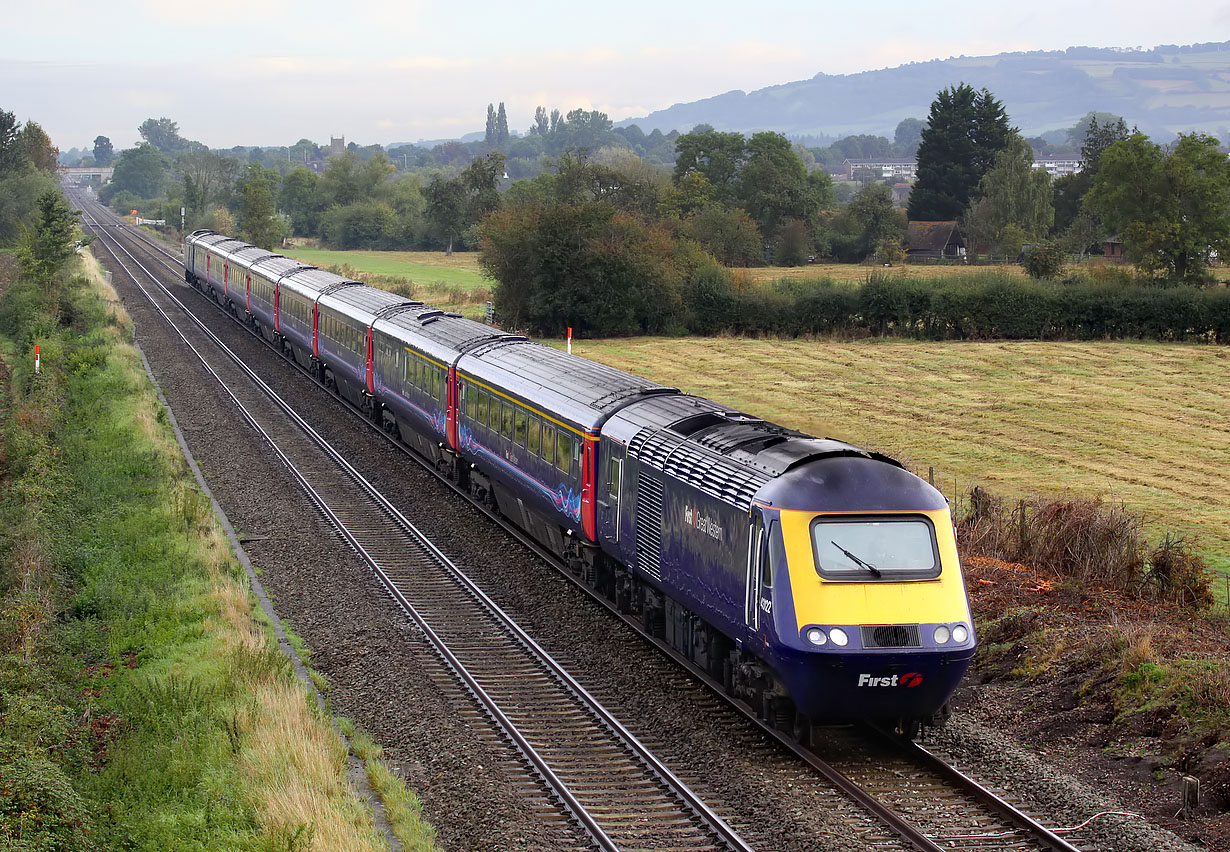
[270,72]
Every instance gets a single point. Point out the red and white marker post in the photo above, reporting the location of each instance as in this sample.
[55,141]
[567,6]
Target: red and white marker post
[36,357]
[569,340]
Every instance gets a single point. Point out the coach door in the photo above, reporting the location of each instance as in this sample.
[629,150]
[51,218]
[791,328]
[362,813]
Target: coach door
[611,490]
[756,599]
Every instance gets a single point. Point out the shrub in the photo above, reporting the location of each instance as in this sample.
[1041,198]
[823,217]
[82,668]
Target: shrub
[1045,259]
[1088,541]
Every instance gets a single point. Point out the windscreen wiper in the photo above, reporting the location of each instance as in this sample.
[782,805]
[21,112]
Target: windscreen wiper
[873,569]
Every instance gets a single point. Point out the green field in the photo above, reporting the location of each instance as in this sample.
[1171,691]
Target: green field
[1145,424]
[422,267]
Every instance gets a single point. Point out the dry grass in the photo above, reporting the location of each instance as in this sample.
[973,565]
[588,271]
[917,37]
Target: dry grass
[1146,425]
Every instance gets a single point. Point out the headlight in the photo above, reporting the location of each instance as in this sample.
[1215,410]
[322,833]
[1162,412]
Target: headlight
[816,636]
[942,634]
[839,637]
[960,634]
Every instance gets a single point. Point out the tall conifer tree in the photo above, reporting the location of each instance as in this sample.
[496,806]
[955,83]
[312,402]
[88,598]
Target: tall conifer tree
[964,132]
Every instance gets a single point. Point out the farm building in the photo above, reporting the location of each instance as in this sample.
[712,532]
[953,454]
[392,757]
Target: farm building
[934,241]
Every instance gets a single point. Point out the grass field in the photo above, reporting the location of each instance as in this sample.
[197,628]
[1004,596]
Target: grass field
[1145,424]
[422,267]
[857,272]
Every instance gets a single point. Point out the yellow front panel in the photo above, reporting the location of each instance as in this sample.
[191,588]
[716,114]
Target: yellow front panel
[820,601]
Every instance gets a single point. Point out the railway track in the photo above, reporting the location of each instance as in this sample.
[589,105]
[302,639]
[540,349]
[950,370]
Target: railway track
[619,794]
[923,802]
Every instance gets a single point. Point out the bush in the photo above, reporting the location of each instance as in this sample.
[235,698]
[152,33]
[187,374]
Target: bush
[1088,541]
[1045,260]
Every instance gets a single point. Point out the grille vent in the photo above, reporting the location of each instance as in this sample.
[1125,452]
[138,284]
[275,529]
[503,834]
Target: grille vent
[649,526]
[891,636]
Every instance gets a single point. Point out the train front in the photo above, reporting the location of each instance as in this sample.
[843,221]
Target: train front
[866,610]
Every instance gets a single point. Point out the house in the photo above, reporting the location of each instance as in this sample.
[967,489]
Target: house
[894,170]
[934,241]
[1059,166]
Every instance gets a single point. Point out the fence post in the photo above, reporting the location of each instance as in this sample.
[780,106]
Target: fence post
[931,476]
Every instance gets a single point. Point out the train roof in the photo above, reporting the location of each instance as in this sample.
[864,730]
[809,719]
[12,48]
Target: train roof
[438,334]
[577,389]
[252,254]
[738,458]
[361,302]
[276,267]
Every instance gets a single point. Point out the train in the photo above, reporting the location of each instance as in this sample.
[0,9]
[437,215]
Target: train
[815,581]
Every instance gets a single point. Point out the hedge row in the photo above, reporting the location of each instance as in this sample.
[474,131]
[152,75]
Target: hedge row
[966,307]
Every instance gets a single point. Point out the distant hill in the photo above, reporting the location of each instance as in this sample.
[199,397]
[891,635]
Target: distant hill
[1163,91]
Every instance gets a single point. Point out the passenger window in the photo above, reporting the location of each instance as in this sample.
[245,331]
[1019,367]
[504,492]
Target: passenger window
[535,434]
[482,407]
[548,443]
[519,435]
[563,453]
[506,413]
[442,387]
[471,398]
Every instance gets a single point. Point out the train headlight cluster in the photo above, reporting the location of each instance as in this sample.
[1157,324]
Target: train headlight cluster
[818,636]
[958,633]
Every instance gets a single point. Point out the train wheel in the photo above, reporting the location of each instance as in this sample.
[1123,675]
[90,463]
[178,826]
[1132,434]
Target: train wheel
[907,729]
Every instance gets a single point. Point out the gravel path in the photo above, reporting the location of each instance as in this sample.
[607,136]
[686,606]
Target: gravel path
[370,654]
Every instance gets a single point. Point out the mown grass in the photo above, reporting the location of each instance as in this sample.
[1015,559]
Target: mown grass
[857,272]
[421,267]
[145,706]
[1143,424]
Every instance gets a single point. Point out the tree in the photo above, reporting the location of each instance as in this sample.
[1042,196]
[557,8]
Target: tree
[481,180]
[300,201]
[1078,134]
[964,132]
[907,136]
[585,265]
[1070,190]
[37,149]
[773,183]
[501,127]
[446,209]
[163,134]
[140,170]
[729,235]
[874,219]
[492,133]
[258,217]
[1013,199]
[205,174]
[542,124]
[1172,211]
[11,155]
[104,151]
[47,246]
[715,155]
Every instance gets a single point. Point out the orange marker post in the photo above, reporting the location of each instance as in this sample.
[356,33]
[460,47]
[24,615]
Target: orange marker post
[36,357]
[569,340]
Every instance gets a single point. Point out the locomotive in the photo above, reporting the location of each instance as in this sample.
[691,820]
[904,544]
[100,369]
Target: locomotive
[818,582]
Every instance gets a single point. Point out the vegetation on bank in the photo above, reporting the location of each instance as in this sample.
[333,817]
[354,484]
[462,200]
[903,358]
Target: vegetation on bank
[144,707]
